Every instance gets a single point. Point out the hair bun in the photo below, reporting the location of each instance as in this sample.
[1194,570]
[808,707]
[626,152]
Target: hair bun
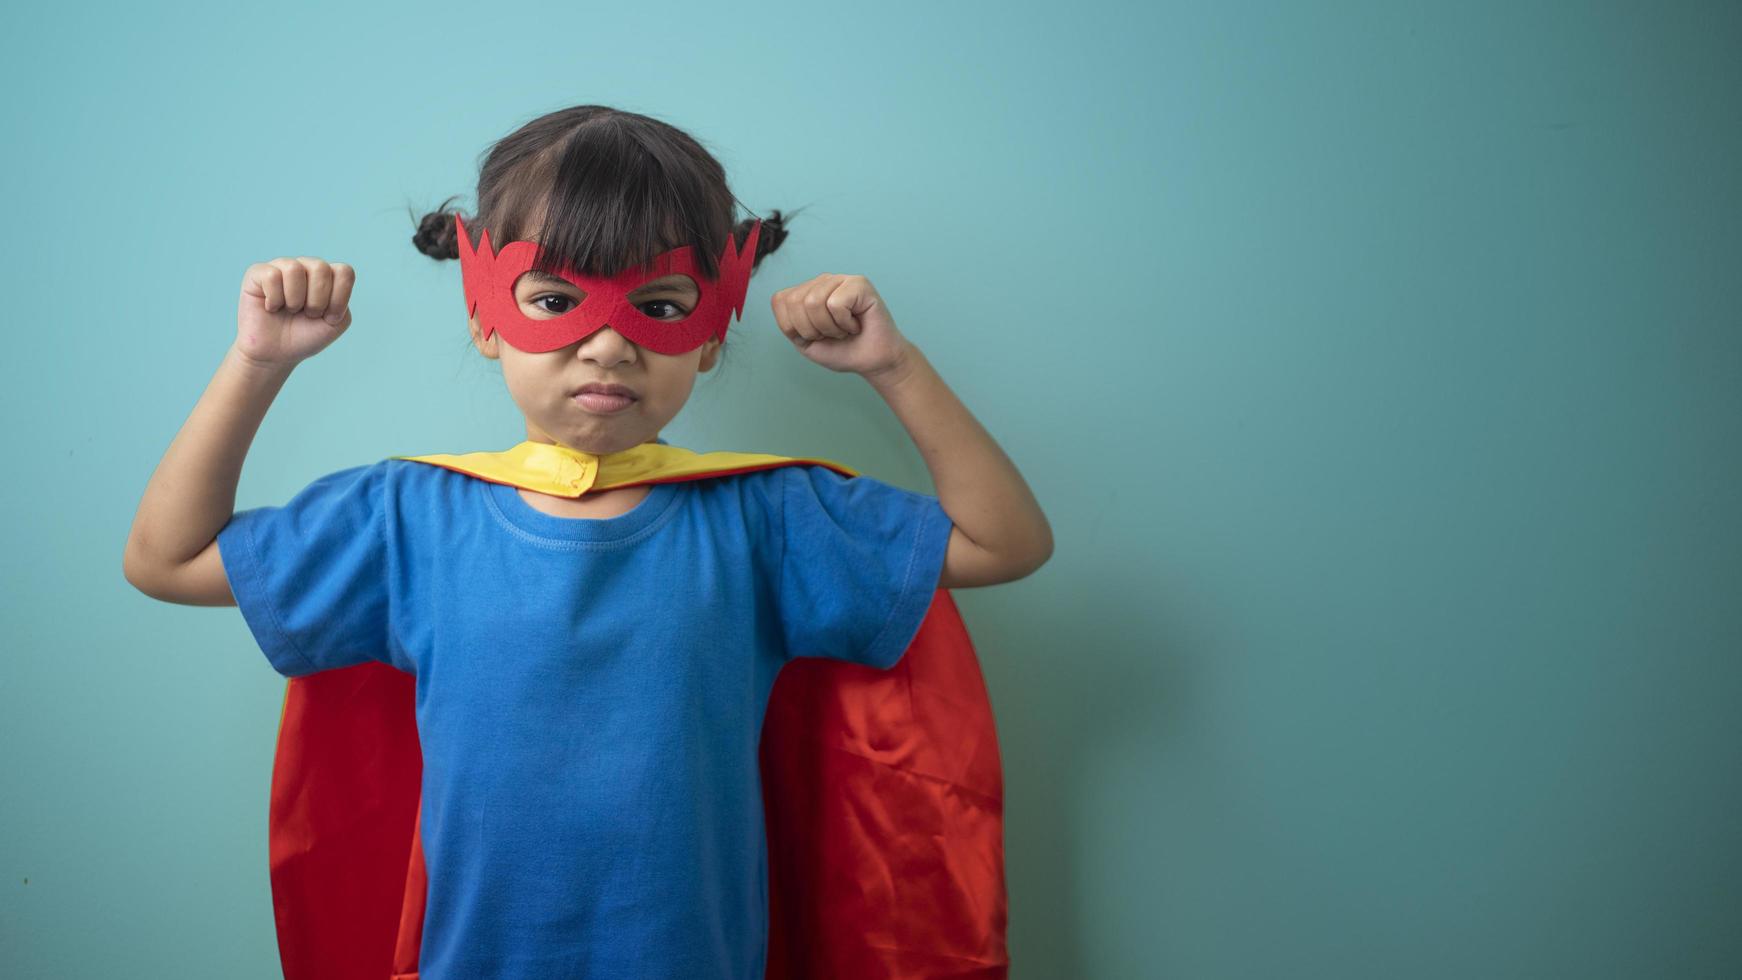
[768,239]
[436,235]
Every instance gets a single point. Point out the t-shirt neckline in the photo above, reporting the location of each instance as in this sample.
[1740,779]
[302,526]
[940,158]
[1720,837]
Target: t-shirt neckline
[531,522]
[536,523]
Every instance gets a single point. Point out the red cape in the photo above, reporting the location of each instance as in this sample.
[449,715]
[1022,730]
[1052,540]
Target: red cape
[882,790]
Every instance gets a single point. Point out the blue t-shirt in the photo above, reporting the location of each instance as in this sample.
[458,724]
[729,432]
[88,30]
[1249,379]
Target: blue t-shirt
[590,692]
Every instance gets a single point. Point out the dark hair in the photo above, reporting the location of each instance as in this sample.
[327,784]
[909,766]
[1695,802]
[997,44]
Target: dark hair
[601,190]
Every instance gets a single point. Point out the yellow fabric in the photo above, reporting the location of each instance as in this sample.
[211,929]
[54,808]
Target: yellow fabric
[563,472]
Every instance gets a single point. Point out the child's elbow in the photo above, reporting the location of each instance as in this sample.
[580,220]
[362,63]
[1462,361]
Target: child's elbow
[1040,556]
[1038,552]
[967,565]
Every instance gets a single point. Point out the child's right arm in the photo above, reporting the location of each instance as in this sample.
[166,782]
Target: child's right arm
[290,309]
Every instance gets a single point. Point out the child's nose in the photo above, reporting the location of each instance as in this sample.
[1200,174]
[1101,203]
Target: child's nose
[606,342]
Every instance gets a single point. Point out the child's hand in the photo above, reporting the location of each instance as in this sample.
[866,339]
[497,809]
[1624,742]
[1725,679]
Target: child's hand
[291,309]
[841,323]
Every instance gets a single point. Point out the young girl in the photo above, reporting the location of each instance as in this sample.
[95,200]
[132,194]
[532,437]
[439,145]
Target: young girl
[593,631]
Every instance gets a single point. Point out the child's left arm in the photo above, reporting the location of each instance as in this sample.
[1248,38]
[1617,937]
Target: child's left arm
[1000,533]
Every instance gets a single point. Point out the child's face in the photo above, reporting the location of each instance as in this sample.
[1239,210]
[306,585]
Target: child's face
[543,384]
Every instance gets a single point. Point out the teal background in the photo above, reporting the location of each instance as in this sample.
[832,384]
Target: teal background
[1377,365]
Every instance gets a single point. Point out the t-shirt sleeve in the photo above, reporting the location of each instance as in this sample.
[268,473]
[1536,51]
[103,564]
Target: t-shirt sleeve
[311,577]
[860,564]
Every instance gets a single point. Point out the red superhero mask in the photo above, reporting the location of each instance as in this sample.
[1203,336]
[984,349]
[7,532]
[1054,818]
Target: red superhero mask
[488,276]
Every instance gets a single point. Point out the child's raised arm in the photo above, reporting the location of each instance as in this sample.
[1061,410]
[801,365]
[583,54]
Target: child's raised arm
[1000,533]
[289,310]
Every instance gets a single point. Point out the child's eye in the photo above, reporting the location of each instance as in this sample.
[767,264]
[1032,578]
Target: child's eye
[659,309]
[677,312]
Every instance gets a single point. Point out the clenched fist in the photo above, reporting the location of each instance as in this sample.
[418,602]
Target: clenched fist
[841,323]
[291,309]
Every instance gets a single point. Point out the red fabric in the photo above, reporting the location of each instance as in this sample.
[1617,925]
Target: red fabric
[345,787]
[883,796]
[885,807]
[488,274]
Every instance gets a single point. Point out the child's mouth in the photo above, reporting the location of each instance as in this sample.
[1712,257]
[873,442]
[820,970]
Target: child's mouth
[594,401]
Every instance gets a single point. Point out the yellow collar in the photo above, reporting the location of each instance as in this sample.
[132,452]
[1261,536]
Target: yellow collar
[563,472]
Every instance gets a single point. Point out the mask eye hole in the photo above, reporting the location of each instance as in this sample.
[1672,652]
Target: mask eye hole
[541,295]
[669,298]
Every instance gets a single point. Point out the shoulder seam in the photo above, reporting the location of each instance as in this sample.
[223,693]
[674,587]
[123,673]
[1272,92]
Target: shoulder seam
[389,561]
[271,607]
[780,566]
[907,585]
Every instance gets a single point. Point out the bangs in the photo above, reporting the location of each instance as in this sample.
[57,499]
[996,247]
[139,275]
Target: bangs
[613,202]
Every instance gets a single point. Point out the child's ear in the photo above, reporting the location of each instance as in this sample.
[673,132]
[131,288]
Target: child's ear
[485,347]
[710,354]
